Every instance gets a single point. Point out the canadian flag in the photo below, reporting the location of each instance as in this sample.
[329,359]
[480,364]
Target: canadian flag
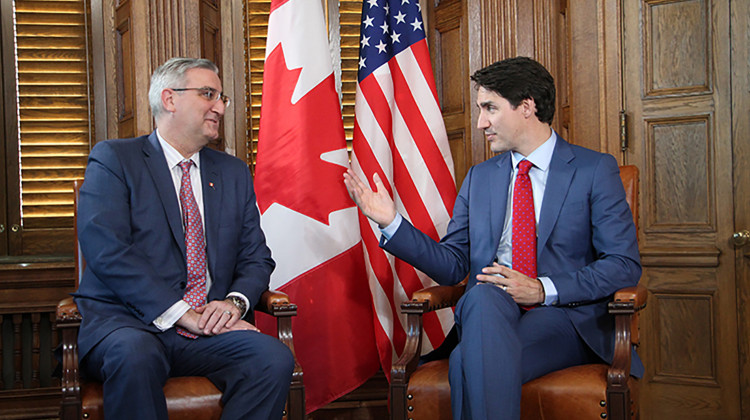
[311,224]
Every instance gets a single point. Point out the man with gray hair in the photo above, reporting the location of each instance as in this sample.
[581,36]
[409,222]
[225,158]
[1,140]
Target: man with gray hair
[175,259]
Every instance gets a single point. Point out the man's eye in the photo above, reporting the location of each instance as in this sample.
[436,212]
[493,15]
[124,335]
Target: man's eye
[208,94]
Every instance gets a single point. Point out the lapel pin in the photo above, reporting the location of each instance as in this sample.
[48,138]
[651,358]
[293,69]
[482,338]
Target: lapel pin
[211,184]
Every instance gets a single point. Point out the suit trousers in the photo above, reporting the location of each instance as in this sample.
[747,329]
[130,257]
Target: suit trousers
[501,347]
[251,369]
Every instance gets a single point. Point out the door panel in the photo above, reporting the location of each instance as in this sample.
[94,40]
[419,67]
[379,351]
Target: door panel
[740,24]
[677,95]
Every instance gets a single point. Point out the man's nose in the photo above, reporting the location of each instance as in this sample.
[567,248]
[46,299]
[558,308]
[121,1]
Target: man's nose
[482,122]
[219,107]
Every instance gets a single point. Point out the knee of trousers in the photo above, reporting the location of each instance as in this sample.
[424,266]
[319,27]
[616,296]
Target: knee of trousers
[133,355]
[486,301]
[274,361]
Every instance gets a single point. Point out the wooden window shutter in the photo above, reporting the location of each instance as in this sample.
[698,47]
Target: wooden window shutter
[55,124]
[345,25]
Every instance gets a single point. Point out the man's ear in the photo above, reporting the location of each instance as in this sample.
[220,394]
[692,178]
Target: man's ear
[167,100]
[528,107]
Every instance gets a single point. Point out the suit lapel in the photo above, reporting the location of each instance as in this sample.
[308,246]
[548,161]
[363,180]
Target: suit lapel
[558,183]
[212,187]
[499,183]
[157,166]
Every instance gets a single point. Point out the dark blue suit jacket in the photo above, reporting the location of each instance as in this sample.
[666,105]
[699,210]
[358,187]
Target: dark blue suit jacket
[586,239]
[131,235]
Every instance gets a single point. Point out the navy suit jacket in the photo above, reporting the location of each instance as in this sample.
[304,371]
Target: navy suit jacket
[131,235]
[586,239]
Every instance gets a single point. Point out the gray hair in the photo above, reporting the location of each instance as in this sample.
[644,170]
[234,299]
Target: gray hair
[172,75]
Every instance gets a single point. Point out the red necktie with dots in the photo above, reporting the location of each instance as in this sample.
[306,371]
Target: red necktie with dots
[195,246]
[524,223]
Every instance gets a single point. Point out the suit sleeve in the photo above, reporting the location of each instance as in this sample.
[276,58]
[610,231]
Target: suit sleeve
[447,261]
[616,262]
[105,232]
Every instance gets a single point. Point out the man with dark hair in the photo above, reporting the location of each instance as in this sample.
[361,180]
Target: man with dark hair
[545,234]
[175,259]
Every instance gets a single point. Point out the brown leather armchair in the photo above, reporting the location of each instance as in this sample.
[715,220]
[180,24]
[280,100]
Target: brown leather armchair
[187,397]
[579,392]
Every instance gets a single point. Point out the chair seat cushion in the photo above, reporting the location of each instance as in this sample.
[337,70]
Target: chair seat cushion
[577,392]
[187,398]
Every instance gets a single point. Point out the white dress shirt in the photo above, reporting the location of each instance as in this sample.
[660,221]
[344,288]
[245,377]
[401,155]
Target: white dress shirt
[167,319]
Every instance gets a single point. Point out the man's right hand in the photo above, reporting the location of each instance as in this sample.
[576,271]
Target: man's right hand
[378,205]
[189,321]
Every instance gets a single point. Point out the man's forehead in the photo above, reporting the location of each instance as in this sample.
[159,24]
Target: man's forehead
[486,96]
[203,78]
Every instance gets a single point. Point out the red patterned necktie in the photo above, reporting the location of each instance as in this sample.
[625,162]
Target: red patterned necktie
[524,223]
[195,292]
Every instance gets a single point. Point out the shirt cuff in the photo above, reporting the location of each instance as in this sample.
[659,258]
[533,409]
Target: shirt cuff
[241,296]
[550,291]
[167,320]
[391,229]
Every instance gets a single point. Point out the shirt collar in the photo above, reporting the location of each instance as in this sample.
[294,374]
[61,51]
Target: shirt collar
[173,156]
[541,156]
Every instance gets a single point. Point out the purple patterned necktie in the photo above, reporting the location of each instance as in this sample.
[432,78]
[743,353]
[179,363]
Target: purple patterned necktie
[195,292]
[524,223]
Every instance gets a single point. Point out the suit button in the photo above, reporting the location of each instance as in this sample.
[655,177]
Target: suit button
[183,284]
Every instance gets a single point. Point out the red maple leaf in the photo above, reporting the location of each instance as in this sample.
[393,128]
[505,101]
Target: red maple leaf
[291,139]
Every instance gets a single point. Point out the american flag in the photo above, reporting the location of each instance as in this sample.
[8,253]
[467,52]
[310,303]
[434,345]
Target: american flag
[399,133]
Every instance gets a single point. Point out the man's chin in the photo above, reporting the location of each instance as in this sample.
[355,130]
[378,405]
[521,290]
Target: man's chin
[498,148]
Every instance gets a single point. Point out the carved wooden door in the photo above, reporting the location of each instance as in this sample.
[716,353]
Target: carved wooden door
[678,90]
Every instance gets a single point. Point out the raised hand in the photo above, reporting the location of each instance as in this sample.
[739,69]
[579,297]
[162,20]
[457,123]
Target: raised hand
[376,205]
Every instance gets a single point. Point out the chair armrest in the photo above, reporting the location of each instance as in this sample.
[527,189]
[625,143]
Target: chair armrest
[438,297]
[67,313]
[68,320]
[625,307]
[276,303]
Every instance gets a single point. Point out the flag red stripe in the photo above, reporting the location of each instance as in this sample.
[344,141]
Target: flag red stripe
[422,136]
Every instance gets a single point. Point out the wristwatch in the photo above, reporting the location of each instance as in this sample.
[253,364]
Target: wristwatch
[238,302]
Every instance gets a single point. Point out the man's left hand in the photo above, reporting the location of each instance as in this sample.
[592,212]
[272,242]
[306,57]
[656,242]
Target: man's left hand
[524,290]
[219,316]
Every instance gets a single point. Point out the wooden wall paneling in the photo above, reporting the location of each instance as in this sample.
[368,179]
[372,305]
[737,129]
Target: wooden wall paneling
[740,36]
[474,48]
[210,41]
[210,30]
[125,71]
[234,76]
[676,86]
[447,39]
[104,80]
[563,75]
[593,71]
